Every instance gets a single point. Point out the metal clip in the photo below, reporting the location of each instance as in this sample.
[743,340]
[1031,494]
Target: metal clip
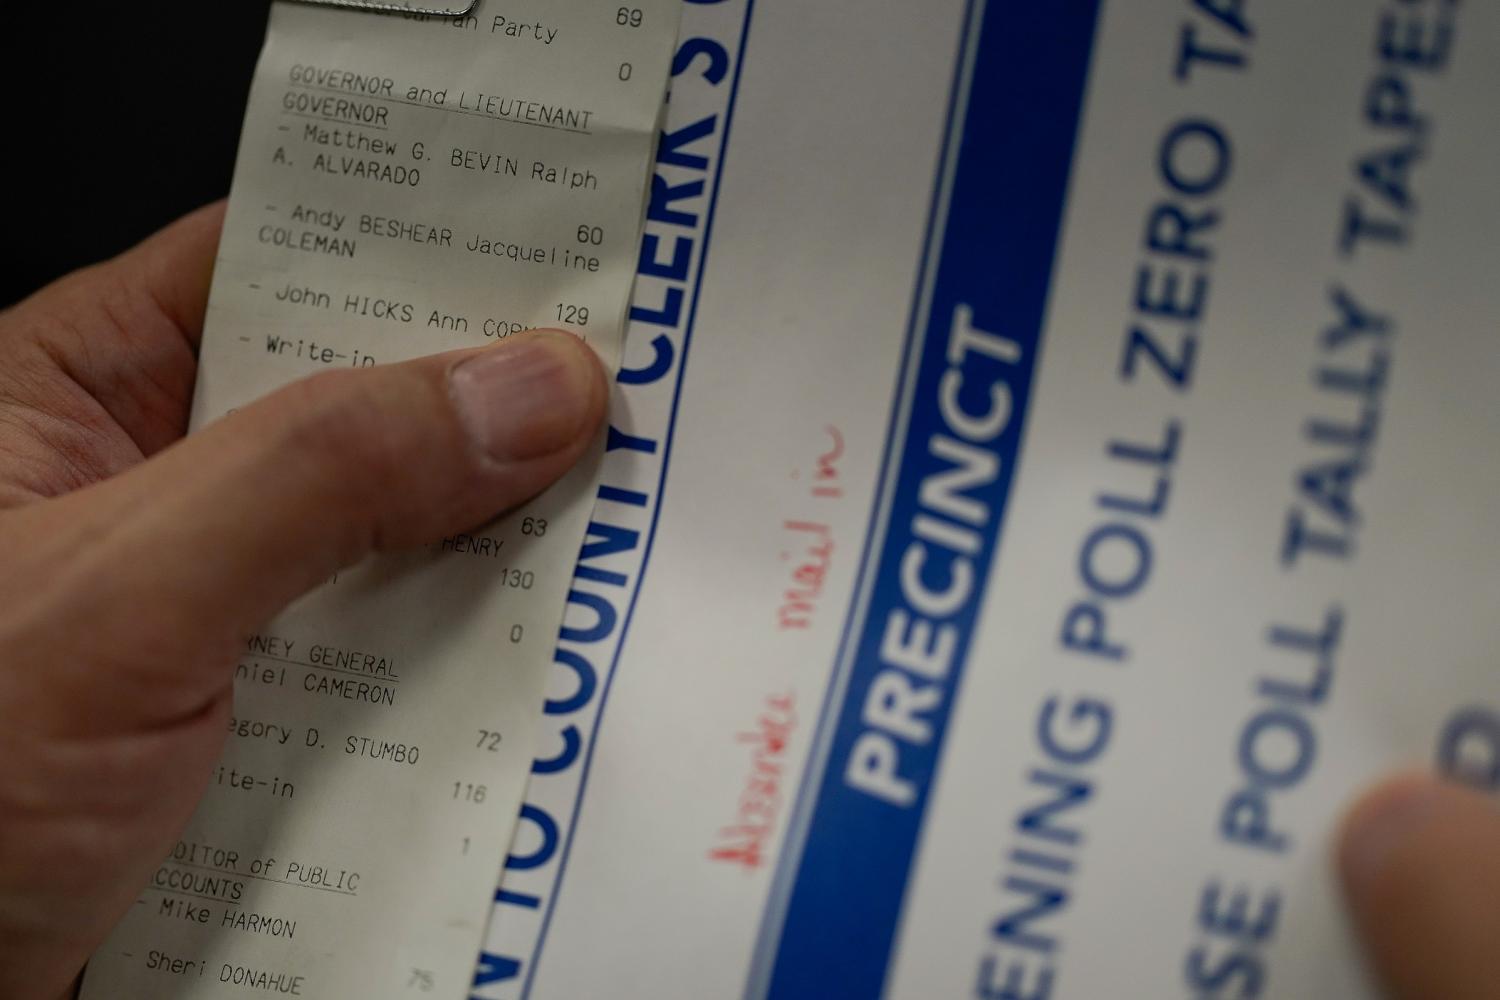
[434,8]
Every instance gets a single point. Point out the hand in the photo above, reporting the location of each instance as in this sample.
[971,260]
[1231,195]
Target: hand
[1420,860]
[134,564]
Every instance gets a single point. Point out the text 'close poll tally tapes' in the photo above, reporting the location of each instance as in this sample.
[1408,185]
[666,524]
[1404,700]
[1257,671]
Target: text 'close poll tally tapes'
[1051,477]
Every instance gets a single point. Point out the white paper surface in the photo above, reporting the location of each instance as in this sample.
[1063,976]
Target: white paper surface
[405,185]
[1081,825]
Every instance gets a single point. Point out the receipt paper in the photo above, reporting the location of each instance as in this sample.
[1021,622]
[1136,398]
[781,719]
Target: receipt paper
[406,184]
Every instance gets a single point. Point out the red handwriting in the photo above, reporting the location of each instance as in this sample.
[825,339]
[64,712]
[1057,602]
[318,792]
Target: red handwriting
[826,478]
[744,841]
[814,539]
[799,601]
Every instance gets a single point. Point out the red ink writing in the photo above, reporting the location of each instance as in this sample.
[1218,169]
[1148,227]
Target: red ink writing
[811,543]
[744,841]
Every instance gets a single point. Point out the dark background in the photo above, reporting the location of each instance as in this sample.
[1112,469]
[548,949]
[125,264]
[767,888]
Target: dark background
[120,115]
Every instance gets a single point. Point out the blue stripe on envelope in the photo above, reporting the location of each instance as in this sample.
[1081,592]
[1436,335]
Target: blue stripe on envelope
[972,354]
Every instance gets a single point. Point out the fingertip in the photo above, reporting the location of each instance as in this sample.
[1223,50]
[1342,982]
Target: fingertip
[1403,820]
[588,359]
[1419,857]
[1377,827]
[539,393]
[590,369]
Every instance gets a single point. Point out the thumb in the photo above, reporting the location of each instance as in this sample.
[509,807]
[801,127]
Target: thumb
[1420,860]
[171,563]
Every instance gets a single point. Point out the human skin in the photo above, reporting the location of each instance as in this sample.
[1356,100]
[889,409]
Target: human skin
[1420,862]
[134,563]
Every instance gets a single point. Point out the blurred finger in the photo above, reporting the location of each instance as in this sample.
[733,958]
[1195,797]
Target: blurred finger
[1420,860]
